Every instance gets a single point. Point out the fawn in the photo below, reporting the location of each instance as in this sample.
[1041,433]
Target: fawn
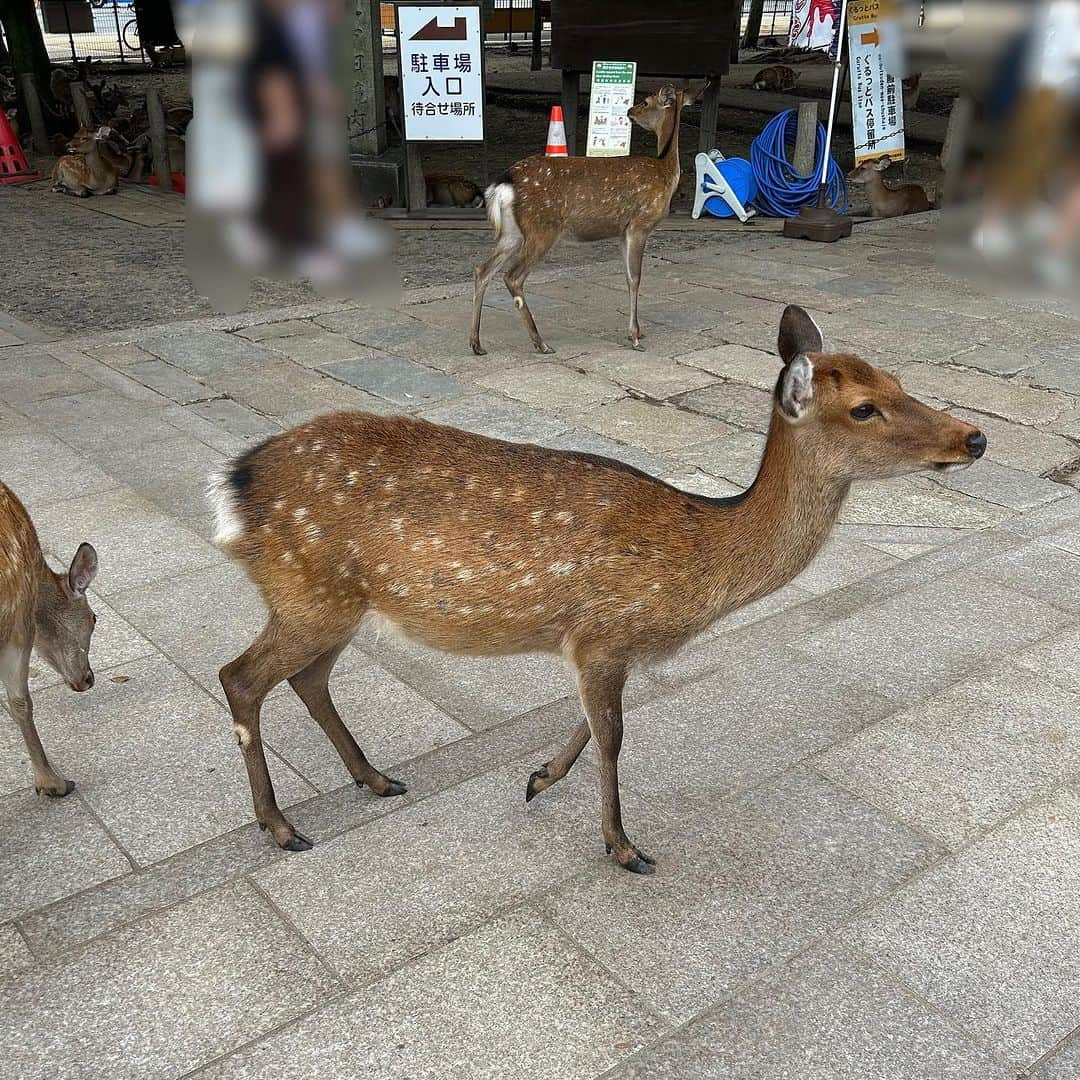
[887,202]
[478,546]
[541,199]
[94,162]
[48,613]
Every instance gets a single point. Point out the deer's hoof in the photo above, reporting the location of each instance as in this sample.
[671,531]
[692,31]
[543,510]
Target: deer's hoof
[637,862]
[57,791]
[545,348]
[636,345]
[531,790]
[477,348]
[394,787]
[638,865]
[297,842]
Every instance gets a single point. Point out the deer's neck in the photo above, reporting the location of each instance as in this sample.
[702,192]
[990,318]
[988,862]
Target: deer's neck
[667,143]
[766,537]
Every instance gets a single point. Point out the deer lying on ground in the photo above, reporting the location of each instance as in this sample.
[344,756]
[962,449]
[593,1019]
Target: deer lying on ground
[777,79]
[478,546]
[94,162]
[541,199]
[887,202]
[45,612]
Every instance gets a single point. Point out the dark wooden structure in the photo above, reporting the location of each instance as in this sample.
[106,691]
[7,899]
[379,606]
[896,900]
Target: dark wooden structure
[685,40]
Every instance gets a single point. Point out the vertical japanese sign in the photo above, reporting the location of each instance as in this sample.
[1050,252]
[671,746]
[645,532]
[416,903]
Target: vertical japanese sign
[877,102]
[440,53]
[612,94]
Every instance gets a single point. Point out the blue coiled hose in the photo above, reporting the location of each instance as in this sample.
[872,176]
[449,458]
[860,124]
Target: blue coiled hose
[781,191]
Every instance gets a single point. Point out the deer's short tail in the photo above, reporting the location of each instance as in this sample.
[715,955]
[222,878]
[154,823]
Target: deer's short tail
[226,491]
[499,200]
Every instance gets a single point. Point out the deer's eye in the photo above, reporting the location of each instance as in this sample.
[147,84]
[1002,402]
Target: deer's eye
[863,411]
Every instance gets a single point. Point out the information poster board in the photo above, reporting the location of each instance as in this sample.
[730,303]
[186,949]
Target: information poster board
[440,53]
[612,95]
[877,99]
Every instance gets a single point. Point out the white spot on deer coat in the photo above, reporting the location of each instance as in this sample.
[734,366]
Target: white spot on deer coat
[562,567]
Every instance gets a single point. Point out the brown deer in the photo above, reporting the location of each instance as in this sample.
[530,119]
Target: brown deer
[93,164]
[541,199]
[887,202]
[48,613]
[777,79]
[478,546]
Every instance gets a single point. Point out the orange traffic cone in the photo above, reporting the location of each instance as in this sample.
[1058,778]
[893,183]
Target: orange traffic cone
[556,144]
[13,166]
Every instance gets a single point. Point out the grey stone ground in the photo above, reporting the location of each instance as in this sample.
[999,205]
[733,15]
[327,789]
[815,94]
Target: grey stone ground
[862,792]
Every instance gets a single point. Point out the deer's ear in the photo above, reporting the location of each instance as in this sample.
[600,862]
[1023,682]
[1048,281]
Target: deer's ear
[693,92]
[795,390]
[666,95]
[83,570]
[799,335]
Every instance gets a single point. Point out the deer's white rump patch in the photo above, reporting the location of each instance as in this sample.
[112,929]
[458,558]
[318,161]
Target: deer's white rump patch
[228,524]
[499,201]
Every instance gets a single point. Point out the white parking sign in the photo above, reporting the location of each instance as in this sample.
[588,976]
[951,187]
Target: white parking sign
[442,78]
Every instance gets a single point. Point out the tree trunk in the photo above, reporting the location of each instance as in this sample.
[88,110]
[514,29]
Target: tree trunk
[753,24]
[27,47]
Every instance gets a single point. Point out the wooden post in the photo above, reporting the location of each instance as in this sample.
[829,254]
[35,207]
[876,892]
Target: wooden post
[805,157]
[82,106]
[159,141]
[416,191]
[710,111]
[367,105]
[571,91]
[753,23]
[537,33]
[37,117]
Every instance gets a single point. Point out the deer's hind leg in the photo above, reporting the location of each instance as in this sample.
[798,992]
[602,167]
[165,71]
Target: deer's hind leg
[508,245]
[312,686]
[530,255]
[278,653]
[633,249]
[561,764]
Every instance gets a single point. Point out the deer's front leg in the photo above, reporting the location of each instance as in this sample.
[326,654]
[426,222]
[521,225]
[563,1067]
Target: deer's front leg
[634,249]
[601,696]
[15,674]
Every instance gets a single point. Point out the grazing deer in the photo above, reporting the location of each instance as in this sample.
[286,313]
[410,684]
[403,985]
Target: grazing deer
[478,546]
[541,199]
[887,202]
[92,165]
[46,612]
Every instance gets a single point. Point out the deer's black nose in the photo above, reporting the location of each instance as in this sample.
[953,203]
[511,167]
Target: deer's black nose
[976,445]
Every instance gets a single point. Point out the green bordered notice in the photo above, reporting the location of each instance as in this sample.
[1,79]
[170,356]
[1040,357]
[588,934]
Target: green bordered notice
[612,94]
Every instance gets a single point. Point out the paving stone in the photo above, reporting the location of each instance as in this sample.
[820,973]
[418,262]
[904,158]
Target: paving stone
[50,848]
[30,374]
[738,363]
[1058,373]
[736,457]
[317,346]
[155,758]
[840,563]
[829,1015]
[206,352]
[916,502]
[1006,487]
[760,713]
[434,871]
[697,482]
[289,393]
[1020,447]
[588,442]
[136,542]
[1053,518]
[88,421]
[187,422]
[995,361]
[1040,570]
[1064,1065]
[15,956]
[235,418]
[747,883]
[395,379]
[552,387]
[574,1018]
[654,376]
[990,936]
[742,406]
[963,760]
[41,470]
[915,642]
[1011,401]
[164,996]
[488,414]
[273,330]
[169,382]
[653,427]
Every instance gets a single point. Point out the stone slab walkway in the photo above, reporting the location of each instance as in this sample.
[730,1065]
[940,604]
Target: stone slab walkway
[862,791]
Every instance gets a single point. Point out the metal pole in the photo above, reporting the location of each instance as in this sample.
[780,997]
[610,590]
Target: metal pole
[119,32]
[833,102]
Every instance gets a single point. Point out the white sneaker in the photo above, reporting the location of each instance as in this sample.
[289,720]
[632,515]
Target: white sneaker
[319,266]
[357,239]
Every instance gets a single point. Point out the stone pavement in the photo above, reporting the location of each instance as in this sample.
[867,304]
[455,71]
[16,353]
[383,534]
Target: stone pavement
[862,791]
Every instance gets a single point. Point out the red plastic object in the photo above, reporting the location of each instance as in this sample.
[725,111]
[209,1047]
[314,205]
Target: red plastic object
[14,168]
[178,182]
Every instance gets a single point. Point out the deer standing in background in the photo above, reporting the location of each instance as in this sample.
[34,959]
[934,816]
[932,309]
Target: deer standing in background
[541,199]
[48,613]
[478,546]
[887,202]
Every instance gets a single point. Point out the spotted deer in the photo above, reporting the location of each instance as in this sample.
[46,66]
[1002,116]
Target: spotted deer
[478,546]
[887,202]
[44,612]
[541,199]
[92,165]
